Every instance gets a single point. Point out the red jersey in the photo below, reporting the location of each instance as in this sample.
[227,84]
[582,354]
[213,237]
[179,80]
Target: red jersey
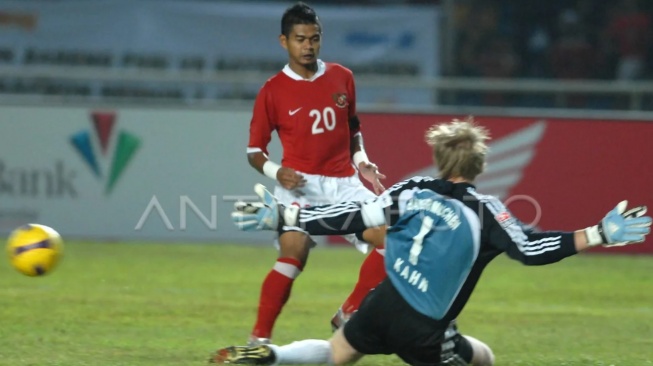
[311,118]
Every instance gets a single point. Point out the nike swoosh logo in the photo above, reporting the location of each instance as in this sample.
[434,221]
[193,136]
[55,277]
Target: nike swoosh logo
[290,113]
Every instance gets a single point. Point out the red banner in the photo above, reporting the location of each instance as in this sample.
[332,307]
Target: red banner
[553,173]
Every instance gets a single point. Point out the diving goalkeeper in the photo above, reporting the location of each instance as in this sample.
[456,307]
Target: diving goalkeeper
[441,234]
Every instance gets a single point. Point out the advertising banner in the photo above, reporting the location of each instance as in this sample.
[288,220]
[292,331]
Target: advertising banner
[164,174]
[553,173]
[151,174]
[218,37]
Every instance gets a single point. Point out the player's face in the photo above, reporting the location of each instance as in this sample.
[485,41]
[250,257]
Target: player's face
[302,44]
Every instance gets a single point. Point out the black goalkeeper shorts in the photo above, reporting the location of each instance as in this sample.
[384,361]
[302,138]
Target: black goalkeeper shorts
[386,324]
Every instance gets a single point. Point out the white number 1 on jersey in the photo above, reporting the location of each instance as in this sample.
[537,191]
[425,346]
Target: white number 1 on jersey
[418,240]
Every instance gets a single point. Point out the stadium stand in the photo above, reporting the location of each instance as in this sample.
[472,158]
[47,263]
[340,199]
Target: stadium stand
[554,54]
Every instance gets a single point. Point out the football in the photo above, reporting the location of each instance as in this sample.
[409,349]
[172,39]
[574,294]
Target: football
[34,250]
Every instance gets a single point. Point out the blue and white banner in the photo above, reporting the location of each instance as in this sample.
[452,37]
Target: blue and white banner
[159,174]
[401,39]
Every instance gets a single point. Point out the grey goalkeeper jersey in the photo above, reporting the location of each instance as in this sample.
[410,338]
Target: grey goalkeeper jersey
[440,237]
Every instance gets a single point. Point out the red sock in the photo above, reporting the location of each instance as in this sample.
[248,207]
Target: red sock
[275,291]
[372,272]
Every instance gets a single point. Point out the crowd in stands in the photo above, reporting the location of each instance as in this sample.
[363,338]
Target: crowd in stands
[562,39]
[552,40]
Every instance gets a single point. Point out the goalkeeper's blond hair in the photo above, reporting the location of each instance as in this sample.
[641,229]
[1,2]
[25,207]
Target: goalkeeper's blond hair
[459,148]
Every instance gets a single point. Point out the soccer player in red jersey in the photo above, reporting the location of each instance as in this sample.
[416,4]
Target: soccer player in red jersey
[311,104]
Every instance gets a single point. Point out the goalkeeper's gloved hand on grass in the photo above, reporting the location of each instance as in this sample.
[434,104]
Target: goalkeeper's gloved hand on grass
[620,227]
[268,214]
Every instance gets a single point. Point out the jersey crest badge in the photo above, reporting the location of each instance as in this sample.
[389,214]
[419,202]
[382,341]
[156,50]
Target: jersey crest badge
[504,219]
[340,99]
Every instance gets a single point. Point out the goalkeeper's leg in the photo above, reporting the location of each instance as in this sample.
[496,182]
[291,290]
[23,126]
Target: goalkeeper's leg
[458,349]
[482,354]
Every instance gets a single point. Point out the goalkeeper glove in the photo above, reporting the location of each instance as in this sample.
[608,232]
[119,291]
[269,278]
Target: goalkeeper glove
[620,227]
[268,214]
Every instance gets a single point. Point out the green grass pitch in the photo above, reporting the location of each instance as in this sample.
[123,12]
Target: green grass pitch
[120,304]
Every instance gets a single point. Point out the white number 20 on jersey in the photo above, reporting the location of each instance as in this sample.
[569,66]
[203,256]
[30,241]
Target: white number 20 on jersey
[326,118]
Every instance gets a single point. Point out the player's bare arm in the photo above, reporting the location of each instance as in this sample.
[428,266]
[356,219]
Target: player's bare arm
[375,236]
[367,169]
[287,177]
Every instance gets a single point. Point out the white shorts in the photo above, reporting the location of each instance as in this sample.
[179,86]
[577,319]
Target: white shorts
[321,190]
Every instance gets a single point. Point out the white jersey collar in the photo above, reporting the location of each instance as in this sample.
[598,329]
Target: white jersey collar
[321,68]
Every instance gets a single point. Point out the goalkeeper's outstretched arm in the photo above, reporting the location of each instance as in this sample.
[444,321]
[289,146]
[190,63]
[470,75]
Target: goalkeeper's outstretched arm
[337,219]
[619,227]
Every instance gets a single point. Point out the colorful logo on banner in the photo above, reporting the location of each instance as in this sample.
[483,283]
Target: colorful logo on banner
[506,161]
[103,134]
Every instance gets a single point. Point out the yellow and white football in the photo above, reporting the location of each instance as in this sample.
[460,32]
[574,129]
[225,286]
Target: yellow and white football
[34,250]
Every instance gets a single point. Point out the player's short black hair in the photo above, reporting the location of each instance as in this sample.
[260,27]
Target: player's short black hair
[300,13]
